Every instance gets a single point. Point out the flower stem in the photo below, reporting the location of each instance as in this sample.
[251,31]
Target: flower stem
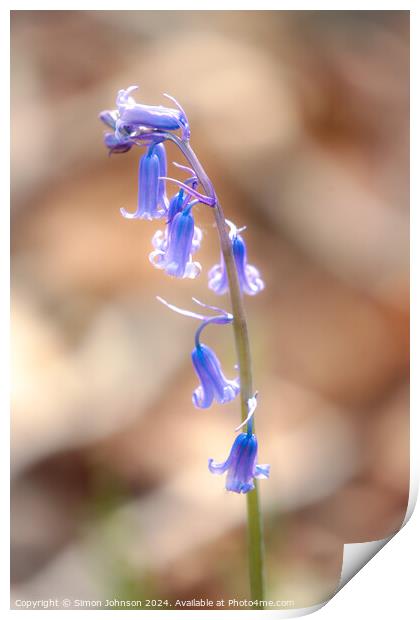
[240,328]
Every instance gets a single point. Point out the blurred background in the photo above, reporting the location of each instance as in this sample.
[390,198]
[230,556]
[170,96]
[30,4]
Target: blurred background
[301,121]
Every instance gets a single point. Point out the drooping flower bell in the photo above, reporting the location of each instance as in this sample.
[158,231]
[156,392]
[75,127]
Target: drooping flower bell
[213,383]
[174,247]
[152,201]
[241,464]
[250,279]
[176,205]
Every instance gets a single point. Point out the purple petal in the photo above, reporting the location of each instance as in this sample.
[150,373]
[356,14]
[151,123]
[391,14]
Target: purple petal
[218,468]
[210,373]
[181,232]
[203,395]
[217,277]
[249,277]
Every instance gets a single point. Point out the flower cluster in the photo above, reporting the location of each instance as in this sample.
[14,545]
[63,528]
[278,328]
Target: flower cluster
[135,124]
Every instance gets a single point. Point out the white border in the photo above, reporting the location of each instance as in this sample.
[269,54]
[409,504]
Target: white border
[386,586]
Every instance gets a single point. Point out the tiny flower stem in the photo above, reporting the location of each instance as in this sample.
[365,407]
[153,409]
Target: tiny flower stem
[240,328]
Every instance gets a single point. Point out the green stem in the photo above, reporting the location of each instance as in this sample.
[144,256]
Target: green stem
[240,328]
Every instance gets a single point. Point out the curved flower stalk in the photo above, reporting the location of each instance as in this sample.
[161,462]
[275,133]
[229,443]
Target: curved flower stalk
[250,279]
[135,124]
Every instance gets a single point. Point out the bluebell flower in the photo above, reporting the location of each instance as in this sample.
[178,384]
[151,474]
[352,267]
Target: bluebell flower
[154,117]
[250,279]
[160,238]
[213,383]
[174,247]
[241,465]
[152,201]
[135,124]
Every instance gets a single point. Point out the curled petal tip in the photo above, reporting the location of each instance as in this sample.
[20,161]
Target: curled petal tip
[127,214]
[192,270]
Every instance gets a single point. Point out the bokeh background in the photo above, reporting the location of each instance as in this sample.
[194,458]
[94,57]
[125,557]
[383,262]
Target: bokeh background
[301,120]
